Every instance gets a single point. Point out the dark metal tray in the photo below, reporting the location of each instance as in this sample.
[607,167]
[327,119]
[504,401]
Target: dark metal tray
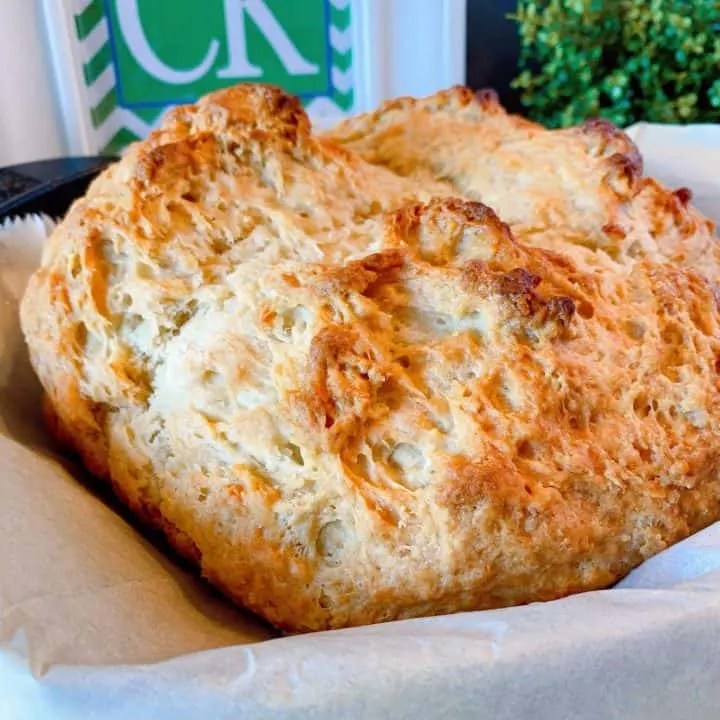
[48,186]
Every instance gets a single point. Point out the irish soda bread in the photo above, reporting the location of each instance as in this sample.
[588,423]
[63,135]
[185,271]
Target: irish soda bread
[349,391]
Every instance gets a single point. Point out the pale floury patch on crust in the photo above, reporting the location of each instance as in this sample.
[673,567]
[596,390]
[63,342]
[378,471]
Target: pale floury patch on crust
[350,392]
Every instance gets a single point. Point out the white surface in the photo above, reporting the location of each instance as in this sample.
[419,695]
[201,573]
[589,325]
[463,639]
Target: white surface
[30,123]
[407,47]
[66,76]
[96,623]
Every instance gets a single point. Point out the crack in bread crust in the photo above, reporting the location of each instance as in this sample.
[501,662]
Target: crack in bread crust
[571,190]
[438,359]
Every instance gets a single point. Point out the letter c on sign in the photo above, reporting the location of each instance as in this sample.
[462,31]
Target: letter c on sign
[137,42]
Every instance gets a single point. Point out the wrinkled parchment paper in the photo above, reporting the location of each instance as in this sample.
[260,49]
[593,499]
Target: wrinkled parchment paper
[95,622]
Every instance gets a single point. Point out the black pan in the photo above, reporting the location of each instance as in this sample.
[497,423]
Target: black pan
[48,186]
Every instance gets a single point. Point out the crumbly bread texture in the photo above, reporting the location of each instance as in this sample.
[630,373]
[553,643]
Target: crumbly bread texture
[350,392]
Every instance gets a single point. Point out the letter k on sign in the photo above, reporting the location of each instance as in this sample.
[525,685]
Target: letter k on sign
[170,51]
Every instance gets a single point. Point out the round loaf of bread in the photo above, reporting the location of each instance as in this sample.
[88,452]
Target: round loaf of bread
[350,392]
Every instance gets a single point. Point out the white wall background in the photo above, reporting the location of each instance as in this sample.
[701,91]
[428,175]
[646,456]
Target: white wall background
[30,126]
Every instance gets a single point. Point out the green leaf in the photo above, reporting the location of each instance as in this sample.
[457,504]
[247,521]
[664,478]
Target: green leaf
[625,60]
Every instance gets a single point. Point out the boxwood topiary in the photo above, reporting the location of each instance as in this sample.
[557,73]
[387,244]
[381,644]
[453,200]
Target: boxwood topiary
[624,60]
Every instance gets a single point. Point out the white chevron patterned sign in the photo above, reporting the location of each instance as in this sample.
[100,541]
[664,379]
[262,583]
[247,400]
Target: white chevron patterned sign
[125,99]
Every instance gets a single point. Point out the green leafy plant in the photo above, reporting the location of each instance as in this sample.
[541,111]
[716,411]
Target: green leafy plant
[623,60]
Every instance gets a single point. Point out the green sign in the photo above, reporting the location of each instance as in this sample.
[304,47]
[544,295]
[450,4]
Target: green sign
[168,57]
[165,52]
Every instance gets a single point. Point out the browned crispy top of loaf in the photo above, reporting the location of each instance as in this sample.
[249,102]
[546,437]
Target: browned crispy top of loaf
[569,189]
[350,402]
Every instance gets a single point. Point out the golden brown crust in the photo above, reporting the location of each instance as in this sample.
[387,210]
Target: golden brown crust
[352,398]
[571,190]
